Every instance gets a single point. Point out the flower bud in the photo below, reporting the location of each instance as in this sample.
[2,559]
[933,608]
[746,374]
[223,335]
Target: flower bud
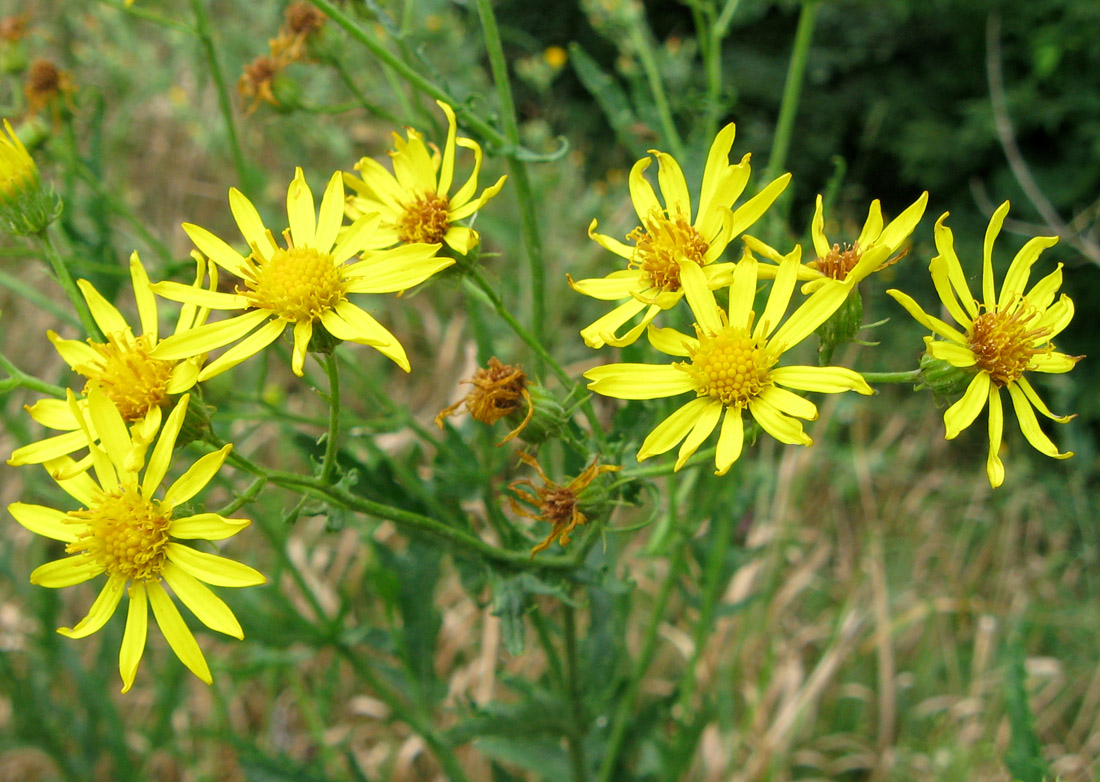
[26,206]
[942,378]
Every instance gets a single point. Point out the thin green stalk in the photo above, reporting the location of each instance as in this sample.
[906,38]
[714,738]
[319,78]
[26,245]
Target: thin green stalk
[669,467]
[552,658]
[788,108]
[451,767]
[353,88]
[202,30]
[529,226]
[642,41]
[912,376]
[479,283]
[67,284]
[336,495]
[20,379]
[575,739]
[410,74]
[332,441]
[641,665]
[712,64]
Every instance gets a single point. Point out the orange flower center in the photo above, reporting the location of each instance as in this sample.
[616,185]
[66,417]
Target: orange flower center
[730,366]
[131,379]
[298,285]
[661,244]
[425,220]
[127,534]
[1005,342]
[839,261]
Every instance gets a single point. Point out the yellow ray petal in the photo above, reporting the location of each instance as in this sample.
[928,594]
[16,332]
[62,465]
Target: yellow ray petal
[146,302]
[823,380]
[673,429]
[994,467]
[1037,403]
[176,633]
[1029,425]
[246,348]
[112,431]
[215,300]
[945,245]
[48,522]
[76,482]
[73,352]
[109,319]
[817,230]
[961,414]
[303,333]
[671,342]
[743,291]
[206,526]
[615,286]
[780,297]
[447,166]
[66,572]
[989,294]
[776,423]
[401,273]
[1018,272]
[214,570]
[753,209]
[133,639]
[469,187]
[208,336]
[461,239]
[332,213]
[700,299]
[674,189]
[195,479]
[1052,363]
[941,271]
[368,331]
[249,222]
[594,333]
[631,336]
[462,212]
[412,164]
[641,192]
[207,607]
[731,440]
[716,168]
[817,309]
[955,355]
[904,224]
[216,249]
[49,448]
[638,381]
[162,451]
[355,238]
[707,419]
[614,245]
[872,226]
[53,414]
[790,404]
[301,212]
[930,322]
[102,609]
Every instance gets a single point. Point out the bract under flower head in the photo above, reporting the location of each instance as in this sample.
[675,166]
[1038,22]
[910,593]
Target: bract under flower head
[1003,337]
[669,236]
[124,530]
[731,365]
[26,207]
[305,284]
[415,202]
[138,385]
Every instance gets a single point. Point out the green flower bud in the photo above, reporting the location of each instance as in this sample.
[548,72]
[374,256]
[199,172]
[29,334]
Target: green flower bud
[942,378]
[843,325]
[26,206]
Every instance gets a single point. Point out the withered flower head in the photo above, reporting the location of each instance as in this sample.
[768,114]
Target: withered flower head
[303,18]
[14,28]
[303,23]
[47,86]
[256,81]
[559,506]
[496,393]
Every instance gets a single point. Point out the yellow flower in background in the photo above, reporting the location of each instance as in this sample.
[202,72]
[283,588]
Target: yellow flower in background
[414,202]
[303,285]
[138,385]
[874,250]
[1003,337]
[731,365]
[669,236]
[123,530]
[26,207]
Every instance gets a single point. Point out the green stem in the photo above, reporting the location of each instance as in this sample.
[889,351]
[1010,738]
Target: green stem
[669,467]
[332,441]
[912,376]
[19,378]
[552,659]
[518,560]
[649,648]
[478,281]
[353,88]
[788,108]
[642,41]
[442,752]
[411,75]
[202,30]
[712,64]
[529,226]
[576,736]
[67,284]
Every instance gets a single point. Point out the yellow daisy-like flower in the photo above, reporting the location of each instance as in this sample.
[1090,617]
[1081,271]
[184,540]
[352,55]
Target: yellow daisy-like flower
[414,201]
[874,250]
[138,385]
[123,530]
[731,365]
[304,285]
[668,236]
[1002,338]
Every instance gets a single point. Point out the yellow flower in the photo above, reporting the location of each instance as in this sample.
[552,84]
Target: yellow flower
[138,385]
[1002,338]
[414,201]
[123,530]
[731,365]
[304,285]
[874,250]
[667,237]
[26,207]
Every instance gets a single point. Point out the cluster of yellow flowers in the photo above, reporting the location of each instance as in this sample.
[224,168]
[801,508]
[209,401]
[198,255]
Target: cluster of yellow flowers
[126,528]
[733,361]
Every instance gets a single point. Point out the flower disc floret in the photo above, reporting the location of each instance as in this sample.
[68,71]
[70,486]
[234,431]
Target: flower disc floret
[126,533]
[731,366]
[661,244]
[425,219]
[130,378]
[1004,342]
[838,262]
[298,284]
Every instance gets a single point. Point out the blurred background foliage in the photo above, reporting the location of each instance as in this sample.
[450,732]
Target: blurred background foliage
[877,614]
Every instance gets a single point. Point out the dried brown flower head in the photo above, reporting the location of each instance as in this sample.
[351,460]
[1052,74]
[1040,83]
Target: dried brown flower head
[256,82]
[303,22]
[303,18]
[558,505]
[496,393]
[14,28]
[47,86]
